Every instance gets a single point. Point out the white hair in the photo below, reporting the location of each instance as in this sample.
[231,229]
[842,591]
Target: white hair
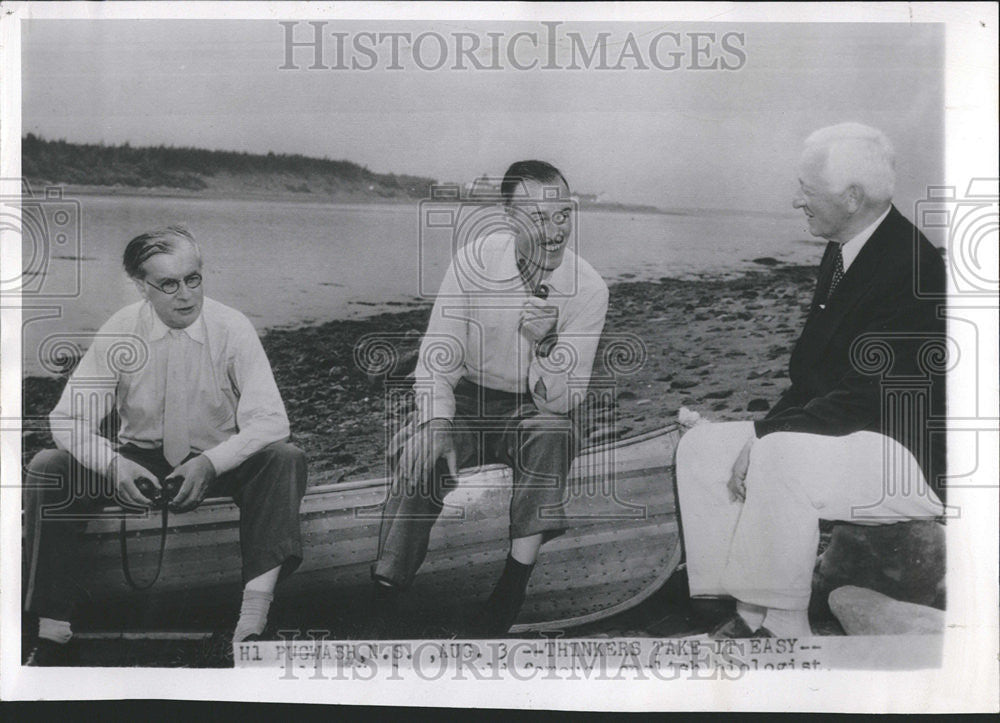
[858,155]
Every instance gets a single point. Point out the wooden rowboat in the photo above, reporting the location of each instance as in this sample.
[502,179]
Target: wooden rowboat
[623,545]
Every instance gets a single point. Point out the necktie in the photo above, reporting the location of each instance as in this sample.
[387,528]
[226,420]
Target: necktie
[176,438]
[838,272]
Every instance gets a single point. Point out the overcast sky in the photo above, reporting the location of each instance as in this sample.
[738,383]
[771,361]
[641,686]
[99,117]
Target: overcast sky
[679,138]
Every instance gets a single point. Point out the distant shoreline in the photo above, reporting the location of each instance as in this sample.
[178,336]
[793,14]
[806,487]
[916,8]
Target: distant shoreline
[300,197]
[347,199]
[183,172]
[208,194]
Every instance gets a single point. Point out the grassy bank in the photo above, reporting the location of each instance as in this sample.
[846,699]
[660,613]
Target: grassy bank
[196,170]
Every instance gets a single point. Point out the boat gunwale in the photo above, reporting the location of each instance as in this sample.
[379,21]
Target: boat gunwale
[379,481]
[214,503]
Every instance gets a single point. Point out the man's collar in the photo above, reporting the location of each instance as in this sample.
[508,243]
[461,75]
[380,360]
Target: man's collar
[852,248]
[158,330]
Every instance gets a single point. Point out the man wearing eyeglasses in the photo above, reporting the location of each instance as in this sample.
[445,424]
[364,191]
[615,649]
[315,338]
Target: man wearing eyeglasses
[199,405]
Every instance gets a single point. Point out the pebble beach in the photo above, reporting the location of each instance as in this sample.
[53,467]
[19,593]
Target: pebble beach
[717,346]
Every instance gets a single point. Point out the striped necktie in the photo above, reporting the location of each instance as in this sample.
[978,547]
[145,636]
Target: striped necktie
[176,435]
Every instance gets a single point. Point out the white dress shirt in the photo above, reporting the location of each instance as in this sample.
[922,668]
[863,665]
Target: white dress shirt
[234,406]
[852,248]
[474,331]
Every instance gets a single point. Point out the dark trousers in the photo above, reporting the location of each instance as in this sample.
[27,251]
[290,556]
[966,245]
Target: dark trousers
[489,427]
[60,494]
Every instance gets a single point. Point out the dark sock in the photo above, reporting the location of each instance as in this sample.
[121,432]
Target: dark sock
[505,602]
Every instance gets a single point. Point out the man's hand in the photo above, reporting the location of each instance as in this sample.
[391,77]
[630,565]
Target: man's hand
[432,441]
[538,319]
[197,473]
[123,473]
[737,478]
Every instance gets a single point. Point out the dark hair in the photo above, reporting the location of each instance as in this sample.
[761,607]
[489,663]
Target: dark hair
[161,241]
[538,171]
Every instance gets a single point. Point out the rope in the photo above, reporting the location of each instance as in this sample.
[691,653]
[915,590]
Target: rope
[159,560]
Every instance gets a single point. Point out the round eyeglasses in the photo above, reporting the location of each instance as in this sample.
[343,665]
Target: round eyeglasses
[172,286]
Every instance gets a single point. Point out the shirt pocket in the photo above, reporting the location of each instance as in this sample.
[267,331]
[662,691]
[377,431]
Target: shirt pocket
[140,402]
[221,400]
[224,406]
[507,351]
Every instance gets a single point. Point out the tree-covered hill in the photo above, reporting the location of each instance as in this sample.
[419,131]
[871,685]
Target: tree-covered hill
[200,170]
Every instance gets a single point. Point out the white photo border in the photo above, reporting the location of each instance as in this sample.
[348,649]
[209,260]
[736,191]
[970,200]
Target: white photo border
[967,680]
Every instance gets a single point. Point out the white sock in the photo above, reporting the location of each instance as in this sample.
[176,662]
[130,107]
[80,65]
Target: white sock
[752,614]
[788,623]
[253,614]
[58,631]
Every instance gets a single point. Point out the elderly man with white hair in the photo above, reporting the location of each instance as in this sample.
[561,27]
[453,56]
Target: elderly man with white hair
[752,493]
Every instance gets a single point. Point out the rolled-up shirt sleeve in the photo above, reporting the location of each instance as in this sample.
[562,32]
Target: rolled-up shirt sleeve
[87,398]
[558,382]
[441,361]
[260,413]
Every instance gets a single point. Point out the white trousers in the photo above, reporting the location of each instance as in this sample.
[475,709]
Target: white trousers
[763,550]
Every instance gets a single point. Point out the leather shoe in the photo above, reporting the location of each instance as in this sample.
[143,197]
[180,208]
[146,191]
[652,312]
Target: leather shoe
[736,627]
[48,654]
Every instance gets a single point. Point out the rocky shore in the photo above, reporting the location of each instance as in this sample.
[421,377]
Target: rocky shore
[719,346]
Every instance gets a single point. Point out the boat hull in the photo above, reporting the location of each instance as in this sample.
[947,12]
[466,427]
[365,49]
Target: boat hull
[622,545]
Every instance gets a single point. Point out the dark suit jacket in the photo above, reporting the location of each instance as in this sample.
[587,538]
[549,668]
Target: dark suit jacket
[832,395]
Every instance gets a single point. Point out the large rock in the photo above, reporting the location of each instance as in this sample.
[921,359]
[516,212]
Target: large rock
[905,561]
[865,612]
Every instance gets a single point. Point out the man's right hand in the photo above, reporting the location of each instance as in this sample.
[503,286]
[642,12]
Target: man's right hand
[123,474]
[538,319]
[432,441]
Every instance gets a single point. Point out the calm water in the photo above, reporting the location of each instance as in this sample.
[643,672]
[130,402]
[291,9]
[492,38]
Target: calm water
[286,263]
